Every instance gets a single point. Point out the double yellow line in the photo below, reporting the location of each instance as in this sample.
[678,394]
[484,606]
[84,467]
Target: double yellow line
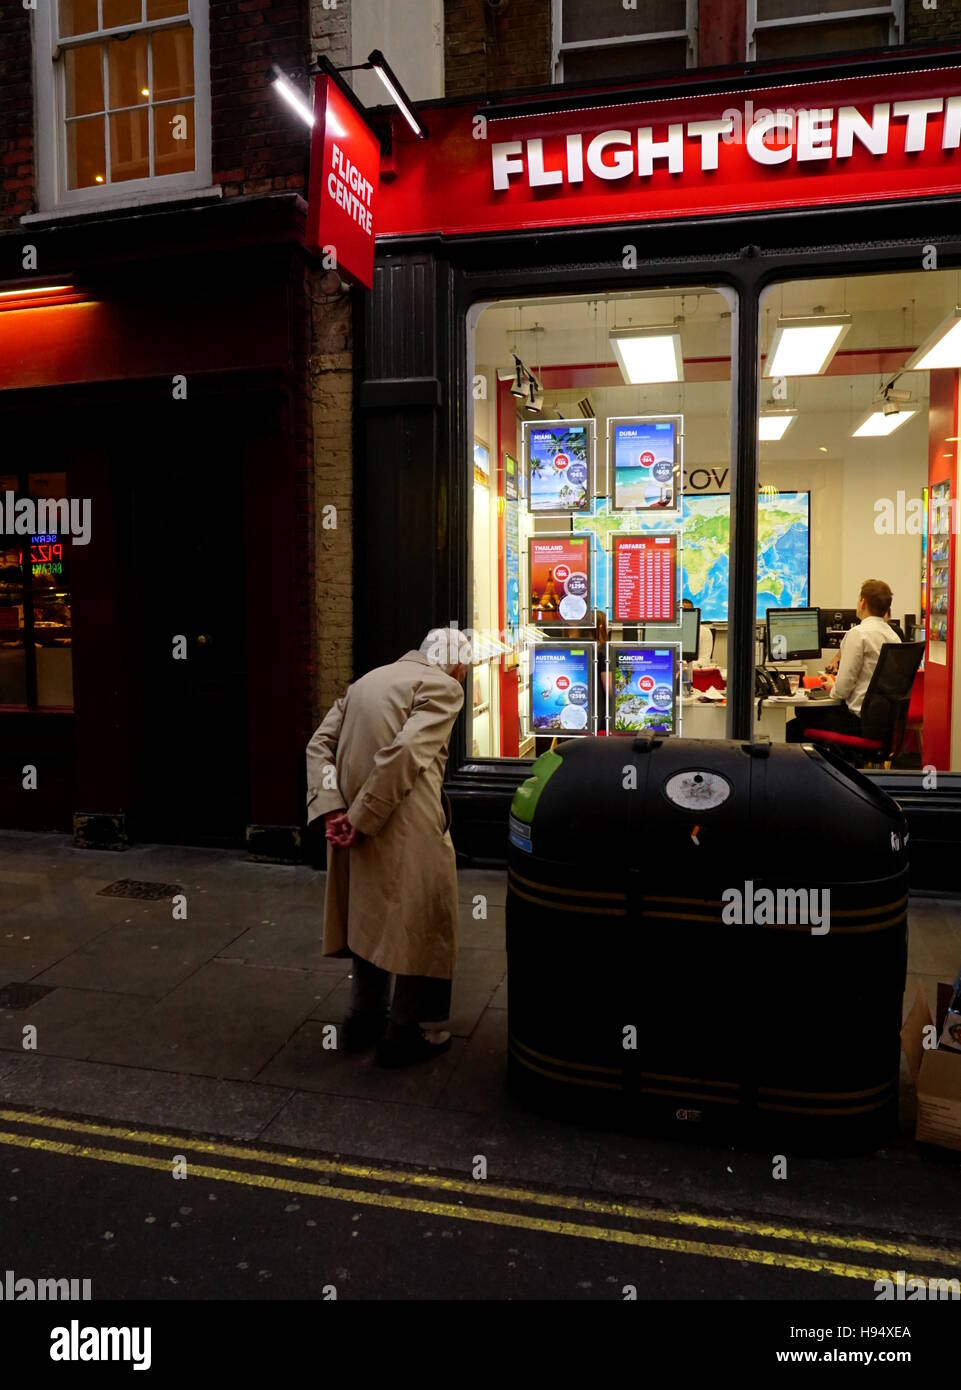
[515,1208]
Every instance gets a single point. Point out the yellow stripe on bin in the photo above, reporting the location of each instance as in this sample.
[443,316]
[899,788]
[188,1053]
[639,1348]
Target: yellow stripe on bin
[515,877]
[556,906]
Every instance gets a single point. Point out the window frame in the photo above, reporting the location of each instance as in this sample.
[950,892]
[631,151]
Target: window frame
[32,706]
[559,47]
[48,50]
[894,10]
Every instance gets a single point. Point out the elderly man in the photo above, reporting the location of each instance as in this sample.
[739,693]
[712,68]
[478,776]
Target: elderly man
[375,772]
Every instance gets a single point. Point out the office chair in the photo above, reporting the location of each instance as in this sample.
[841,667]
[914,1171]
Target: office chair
[884,711]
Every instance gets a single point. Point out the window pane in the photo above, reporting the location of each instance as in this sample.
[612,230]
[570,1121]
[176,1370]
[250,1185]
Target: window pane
[603,517]
[127,71]
[173,63]
[86,159]
[633,60]
[173,155]
[165,9]
[84,79]
[50,586]
[13,671]
[608,19]
[129,149]
[78,17]
[117,12]
[839,36]
[791,9]
[847,528]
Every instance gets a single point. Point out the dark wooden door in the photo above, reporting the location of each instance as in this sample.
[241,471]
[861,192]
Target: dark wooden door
[187,634]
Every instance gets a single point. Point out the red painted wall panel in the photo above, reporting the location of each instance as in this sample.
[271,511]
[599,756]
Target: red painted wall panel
[152,333]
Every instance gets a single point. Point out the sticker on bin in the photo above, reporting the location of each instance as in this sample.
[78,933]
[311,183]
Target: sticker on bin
[697,790]
[520,834]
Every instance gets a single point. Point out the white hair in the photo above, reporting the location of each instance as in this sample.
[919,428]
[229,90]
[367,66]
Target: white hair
[447,647]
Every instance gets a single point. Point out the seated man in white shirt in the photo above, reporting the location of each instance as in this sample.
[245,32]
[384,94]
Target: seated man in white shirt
[857,659]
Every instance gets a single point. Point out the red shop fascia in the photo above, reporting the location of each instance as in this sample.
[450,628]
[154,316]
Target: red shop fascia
[160,363]
[718,177]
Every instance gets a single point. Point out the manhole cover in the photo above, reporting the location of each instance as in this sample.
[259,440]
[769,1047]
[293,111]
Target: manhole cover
[139,888]
[22,996]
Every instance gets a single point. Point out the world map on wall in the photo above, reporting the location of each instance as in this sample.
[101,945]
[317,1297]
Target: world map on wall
[783,549]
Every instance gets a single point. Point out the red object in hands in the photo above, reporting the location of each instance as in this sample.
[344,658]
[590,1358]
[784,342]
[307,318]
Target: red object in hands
[706,677]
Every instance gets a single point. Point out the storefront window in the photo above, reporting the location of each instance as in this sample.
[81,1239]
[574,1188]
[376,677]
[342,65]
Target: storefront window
[601,517]
[858,518]
[36,638]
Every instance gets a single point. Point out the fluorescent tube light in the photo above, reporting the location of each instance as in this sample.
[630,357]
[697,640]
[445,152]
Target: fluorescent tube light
[880,422]
[805,346]
[942,349]
[774,424]
[648,355]
[294,98]
[397,94]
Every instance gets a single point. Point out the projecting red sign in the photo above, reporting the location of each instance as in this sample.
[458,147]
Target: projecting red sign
[344,174]
[834,140]
[645,585]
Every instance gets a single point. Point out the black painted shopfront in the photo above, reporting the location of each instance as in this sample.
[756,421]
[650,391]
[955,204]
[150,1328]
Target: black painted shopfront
[413,504]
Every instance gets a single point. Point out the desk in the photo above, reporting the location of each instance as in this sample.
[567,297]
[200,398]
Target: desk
[707,719]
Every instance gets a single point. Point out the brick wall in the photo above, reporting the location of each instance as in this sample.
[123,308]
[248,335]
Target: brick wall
[258,145]
[939,25]
[16,115]
[330,31]
[332,395]
[486,51]
[332,409]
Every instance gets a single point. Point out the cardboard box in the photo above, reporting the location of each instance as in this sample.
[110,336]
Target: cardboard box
[937,1076]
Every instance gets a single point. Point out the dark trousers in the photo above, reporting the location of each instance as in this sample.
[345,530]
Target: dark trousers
[838,718]
[416,998]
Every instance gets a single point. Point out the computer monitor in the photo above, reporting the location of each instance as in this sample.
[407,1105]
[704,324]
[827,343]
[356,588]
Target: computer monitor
[690,626]
[793,633]
[835,622]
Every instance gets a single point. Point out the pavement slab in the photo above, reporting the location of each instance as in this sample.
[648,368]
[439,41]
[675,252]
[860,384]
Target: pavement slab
[226,1020]
[149,954]
[309,1062]
[135,1096]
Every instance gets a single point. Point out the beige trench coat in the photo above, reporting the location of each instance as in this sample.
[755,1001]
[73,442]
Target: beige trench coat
[381,754]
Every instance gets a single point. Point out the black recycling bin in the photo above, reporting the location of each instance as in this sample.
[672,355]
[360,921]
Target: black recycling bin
[708,938]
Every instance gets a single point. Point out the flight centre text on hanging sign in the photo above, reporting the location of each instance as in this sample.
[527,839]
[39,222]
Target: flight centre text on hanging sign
[344,178]
[808,136]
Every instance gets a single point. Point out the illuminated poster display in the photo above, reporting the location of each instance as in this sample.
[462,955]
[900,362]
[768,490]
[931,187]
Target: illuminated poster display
[561,688]
[559,570]
[510,478]
[645,463]
[644,690]
[512,568]
[644,578]
[560,465]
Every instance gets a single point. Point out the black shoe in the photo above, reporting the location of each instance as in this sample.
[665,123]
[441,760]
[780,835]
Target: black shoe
[362,1030]
[409,1046]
